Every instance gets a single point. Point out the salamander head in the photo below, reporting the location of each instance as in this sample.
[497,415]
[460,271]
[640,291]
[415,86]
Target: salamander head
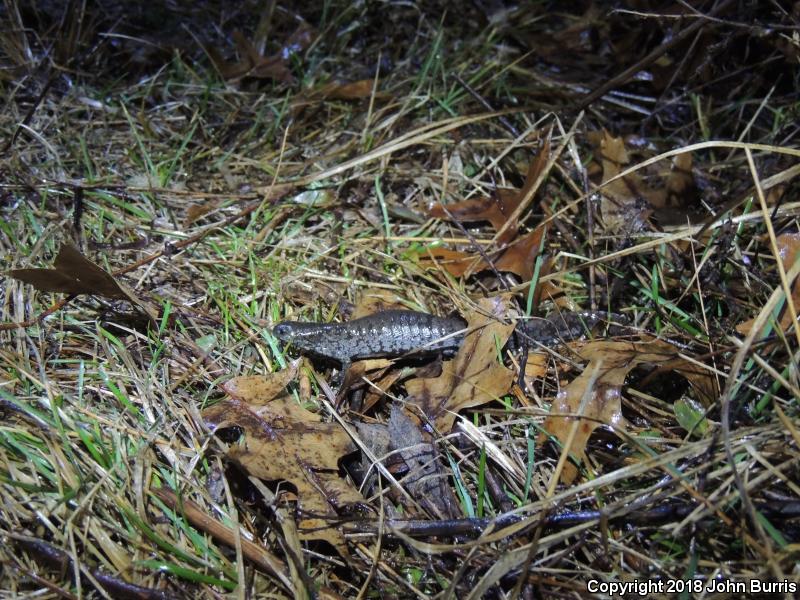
[283,331]
[303,337]
[308,338]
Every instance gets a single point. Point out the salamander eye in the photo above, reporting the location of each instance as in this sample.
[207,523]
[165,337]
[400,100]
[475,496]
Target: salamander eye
[282,331]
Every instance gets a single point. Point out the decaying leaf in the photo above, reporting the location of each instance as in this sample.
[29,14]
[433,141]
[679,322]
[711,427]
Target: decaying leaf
[498,208]
[284,441]
[75,274]
[627,202]
[426,481]
[789,249]
[615,361]
[474,376]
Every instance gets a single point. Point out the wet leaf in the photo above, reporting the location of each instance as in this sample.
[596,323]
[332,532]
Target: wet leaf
[284,441]
[789,251]
[75,274]
[615,361]
[627,202]
[474,376]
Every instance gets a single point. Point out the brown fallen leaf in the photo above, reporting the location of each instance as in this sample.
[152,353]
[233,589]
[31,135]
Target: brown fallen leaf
[627,202]
[75,274]
[353,90]
[789,249]
[264,68]
[455,262]
[615,360]
[284,441]
[680,178]
[252,64]
[380,373]
[474,376]
[495,209]
[377,300]
[198,211]
[518,258]
[498,208]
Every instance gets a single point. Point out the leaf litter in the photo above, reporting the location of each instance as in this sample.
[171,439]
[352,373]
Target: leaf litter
[517,256]
[598,391]
[244,109]
[284,441]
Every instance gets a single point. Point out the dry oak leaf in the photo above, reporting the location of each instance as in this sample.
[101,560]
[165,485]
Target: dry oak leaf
[615,360]
[252,64]
[455,262]
[495,209]
[520,256]
[284,441]
[474,376]
[75,274]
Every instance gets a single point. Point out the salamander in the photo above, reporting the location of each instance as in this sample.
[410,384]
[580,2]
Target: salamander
[393,333]
[389,333]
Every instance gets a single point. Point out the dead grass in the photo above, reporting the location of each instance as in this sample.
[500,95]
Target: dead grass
[231,188]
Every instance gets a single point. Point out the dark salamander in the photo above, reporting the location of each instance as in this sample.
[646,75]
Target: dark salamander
[393,333]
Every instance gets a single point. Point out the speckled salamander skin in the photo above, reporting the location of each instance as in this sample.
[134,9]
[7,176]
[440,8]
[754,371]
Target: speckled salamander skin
[396,332]
[384,334]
